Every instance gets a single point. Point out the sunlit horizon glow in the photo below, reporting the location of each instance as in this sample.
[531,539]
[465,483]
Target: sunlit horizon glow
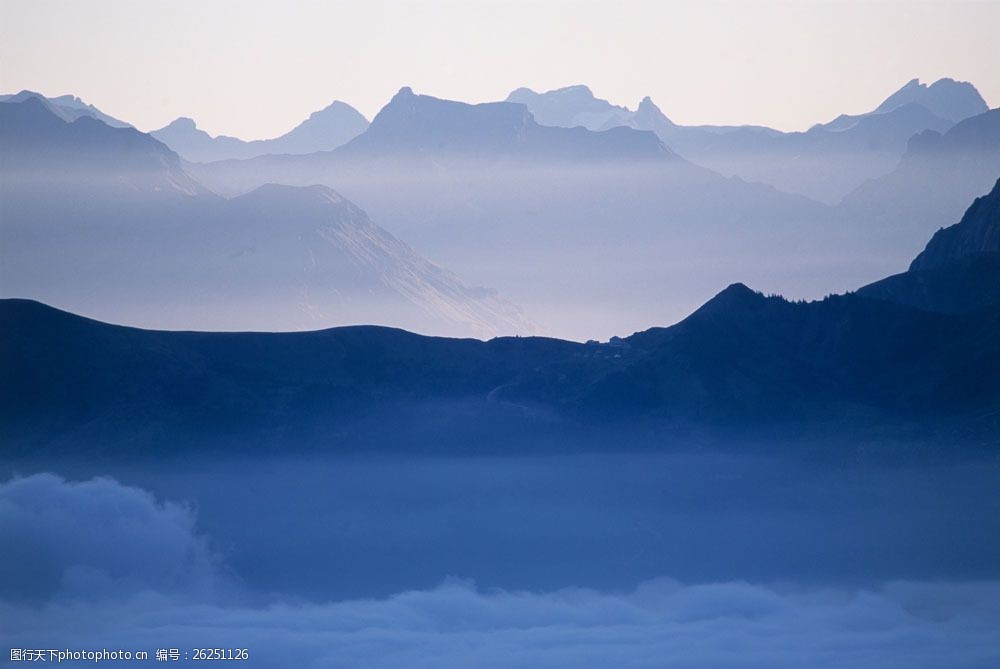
[256,69]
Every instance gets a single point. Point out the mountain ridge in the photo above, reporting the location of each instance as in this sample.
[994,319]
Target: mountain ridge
[67,107]
[810,163]
[324,130]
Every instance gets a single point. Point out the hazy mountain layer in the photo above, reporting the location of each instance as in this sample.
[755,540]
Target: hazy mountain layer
[592,231]
[824,163]
[106,221]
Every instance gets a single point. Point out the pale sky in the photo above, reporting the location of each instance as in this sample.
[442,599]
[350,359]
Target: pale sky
[254,68]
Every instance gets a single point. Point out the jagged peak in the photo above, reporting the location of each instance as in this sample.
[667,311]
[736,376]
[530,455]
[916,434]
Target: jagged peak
[649,108]
[403,93]
[946,97]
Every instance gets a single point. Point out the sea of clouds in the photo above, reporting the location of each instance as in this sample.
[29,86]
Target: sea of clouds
[97,564]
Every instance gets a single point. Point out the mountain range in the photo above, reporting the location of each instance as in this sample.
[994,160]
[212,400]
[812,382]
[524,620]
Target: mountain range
[559,219]
[67,107]
[825,163]
[869,367]
[107,221]
[593,231]
[326,129]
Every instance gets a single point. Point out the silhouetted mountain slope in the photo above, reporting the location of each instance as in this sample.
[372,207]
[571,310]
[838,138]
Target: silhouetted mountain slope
[324,130]
[961,286]
[845,365]
[68,108]
[106,221]
[539,212]
[824,163]
[958,271]
[69,376]
[747,357]
[977,233]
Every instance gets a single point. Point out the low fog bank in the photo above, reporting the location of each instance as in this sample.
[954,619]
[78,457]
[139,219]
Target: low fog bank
[901,625]
[541,563]
[346,527]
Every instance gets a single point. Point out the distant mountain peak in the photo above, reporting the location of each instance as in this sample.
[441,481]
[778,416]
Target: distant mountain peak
[571,106]
[731,300]
[32,110]
[25,94]
[419,117]
[183,122]
[324,130]
[118,162]
[333,106]
[403,93]
[403,99]
[648,116]
[67,107]
[947,98]
[32,101]
[737,291]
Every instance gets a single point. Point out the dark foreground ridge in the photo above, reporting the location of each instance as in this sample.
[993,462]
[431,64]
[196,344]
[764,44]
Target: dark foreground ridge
[742,362]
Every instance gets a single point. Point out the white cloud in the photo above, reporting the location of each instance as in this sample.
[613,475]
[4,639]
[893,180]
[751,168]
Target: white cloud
[96,538]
